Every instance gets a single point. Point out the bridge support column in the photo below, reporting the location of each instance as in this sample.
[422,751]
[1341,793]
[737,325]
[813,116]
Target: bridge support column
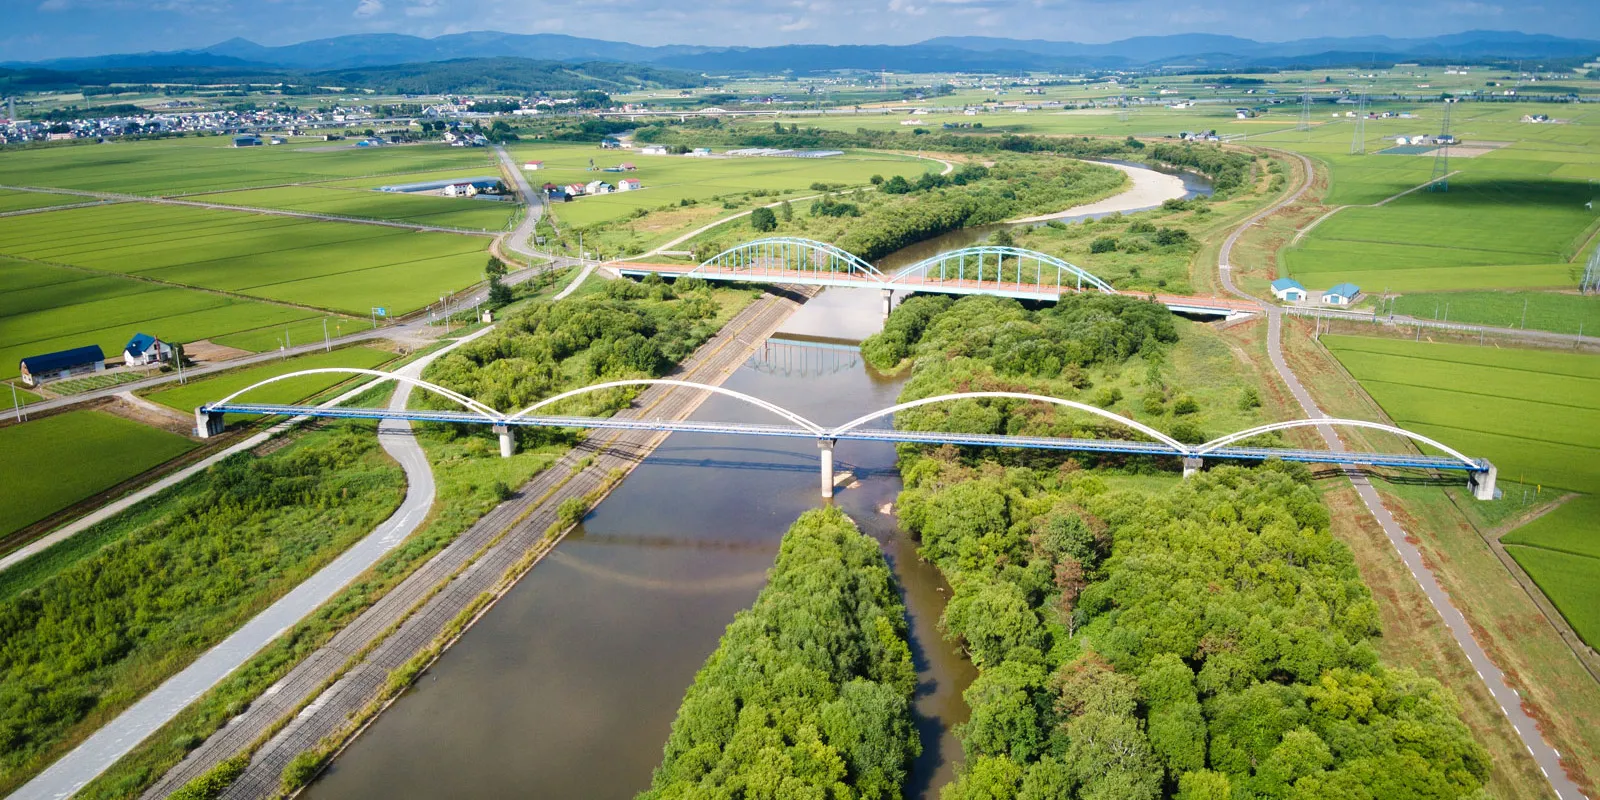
[1482,483]
[1192,465]
[826,446]
[207,423]
[508,441]
[888,302]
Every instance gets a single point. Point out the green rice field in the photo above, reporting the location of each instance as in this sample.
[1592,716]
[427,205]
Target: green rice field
[1545,311]
[47,308]
[338,266]
[208,164]
[1561,552]
[11,200]
[666,180]
[1535,414]
[189,396]
[419,209]
[50,463]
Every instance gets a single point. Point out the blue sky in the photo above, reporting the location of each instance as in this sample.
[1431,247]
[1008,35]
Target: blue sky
[40,29]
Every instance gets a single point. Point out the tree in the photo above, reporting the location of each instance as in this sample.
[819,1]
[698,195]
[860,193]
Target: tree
[496,268]
[896,185]
[762,219]
[499,293]
[1003,238]
[786,211]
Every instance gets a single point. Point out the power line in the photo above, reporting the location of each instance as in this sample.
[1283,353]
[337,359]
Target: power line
[1305,112]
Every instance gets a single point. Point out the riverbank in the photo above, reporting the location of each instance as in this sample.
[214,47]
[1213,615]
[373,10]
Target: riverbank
[1149,188]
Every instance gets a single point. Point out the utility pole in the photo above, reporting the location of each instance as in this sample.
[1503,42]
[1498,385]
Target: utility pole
[1305,111]
[1358,142]
[1524,324]
[327,344]
[16,402]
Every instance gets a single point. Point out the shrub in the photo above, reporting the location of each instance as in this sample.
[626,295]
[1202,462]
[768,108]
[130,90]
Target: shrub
[1250,399]
[302,768]
[213,782]
[1103,244]
[1185,405]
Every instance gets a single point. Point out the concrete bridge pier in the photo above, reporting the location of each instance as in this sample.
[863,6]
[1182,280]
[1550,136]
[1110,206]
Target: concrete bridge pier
[207,423]
[826,446]
[508,442]
[888,302]
[1482,483]
[1192,465]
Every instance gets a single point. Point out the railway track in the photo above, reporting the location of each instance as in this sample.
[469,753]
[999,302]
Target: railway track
[345,675]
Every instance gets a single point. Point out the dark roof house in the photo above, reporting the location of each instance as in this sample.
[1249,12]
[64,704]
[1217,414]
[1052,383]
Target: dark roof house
[78,359]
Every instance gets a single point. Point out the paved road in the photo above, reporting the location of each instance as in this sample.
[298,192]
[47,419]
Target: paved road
[121,734]
[1544,755]
[276,212]
[532,201]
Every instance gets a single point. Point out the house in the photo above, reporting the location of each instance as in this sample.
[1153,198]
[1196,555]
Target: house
[1288,290]
[610,143]
[627,166]
[598,187]
[1341,295]
[628,185]
[533,166]
[701,151]
[460,190]
[574,189]
[247,141]
[143,350]
[654,150]
[38,369]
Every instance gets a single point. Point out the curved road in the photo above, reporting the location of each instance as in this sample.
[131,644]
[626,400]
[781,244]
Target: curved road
[113,740]
[1544,755]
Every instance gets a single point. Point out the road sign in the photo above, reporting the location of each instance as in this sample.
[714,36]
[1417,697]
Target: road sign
[381,311]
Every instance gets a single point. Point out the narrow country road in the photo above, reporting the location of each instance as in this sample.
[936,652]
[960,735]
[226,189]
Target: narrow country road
[113,740]
[1510,702]
[532,202]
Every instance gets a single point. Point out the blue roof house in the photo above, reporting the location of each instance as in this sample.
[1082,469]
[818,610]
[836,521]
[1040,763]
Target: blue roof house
[1288,290]
[144,349]
[1341,295]
[62,364]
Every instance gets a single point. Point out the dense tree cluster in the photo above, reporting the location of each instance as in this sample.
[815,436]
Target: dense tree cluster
[1206,642]
[175,579]
[633,330]
[809,692]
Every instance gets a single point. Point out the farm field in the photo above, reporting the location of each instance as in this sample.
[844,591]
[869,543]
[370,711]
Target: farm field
[669,179]
[1514,216]
[47,308]
[1546,311]
[454,212]
[338,266]
[48,464]
[188,397]
[1561,552]
[207,164]
[11,200]
[1535,414]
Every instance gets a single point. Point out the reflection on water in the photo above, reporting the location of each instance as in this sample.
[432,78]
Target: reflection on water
[568,687]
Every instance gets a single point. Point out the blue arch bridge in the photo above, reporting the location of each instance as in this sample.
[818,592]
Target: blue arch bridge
[1480,473]
[992,270]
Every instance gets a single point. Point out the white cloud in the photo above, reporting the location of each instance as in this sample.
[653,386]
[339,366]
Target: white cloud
[424,8]
[368,8]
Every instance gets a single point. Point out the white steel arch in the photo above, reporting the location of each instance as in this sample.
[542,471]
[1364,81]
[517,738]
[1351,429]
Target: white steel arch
[755,401]
[970,264]
[449,394]
[1179,448]
[1349,423]
[750,256]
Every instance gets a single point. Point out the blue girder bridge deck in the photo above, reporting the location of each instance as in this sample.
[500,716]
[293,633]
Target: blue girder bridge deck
[1126,447]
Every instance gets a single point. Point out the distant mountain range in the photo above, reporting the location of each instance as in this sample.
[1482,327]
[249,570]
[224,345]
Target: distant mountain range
[945,53]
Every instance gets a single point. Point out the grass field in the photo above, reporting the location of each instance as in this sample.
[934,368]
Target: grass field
[334,265]
[668,180]
[51,463]
[1561,552]
[207,164]
[193,394]
[1535,414]
[420,209]
[1546,311]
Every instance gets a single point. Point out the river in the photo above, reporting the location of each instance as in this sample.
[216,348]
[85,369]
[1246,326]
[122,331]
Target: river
[568,687]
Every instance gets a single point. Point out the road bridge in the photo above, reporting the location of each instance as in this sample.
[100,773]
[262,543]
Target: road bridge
[988,269]
[1480,472]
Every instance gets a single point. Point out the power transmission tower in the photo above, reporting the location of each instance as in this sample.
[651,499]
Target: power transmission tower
[1441,158]
[1591,275]
[1122,110]
[1305,112]
[1358,142]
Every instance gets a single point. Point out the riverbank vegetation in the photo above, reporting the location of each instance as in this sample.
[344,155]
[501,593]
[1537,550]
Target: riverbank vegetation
[809,692]
[875,224]
[93,624]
